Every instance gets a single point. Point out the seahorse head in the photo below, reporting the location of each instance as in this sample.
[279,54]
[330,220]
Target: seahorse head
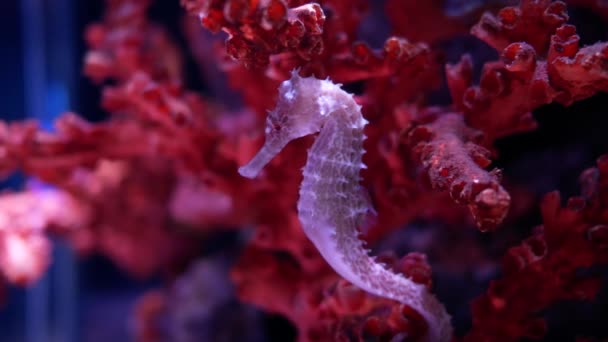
[303,105]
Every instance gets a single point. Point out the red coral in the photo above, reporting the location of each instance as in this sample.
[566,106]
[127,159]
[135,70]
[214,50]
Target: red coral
[532,21]
[536,68]
[327,309]
[125,42]
[24,217]
[258,31]
[544,269]
[576,74]
[450,153]
[508,90]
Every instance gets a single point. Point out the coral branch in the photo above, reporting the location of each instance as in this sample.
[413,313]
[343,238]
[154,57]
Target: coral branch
[126,43]
[546,267]
[450,153]
[24,219]
[540,63]
[251,40]
[532,21]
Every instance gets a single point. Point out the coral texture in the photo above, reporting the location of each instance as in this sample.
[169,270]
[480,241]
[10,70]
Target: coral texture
[447,120]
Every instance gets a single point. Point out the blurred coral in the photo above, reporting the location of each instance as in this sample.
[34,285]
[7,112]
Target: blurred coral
[24,219]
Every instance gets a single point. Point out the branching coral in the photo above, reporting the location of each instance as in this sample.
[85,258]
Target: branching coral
[24,247]
[449,152]
[546,267]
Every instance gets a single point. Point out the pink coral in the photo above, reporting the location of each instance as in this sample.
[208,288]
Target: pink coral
[24,217]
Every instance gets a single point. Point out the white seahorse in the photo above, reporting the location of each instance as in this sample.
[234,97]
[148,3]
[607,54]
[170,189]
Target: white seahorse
[332,204]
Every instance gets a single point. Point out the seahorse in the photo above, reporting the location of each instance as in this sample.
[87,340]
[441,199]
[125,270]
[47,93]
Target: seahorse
[333,205]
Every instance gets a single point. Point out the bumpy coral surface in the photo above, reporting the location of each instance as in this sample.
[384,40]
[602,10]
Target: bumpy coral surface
[440,95]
